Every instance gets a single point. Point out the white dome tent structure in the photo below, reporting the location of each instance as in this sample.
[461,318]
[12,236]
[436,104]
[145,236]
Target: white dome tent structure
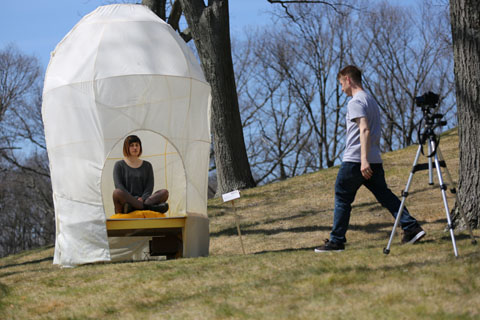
[122,70]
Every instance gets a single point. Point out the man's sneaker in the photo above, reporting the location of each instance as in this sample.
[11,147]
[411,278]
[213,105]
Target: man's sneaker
[413,235]
[330,246]
[161,207]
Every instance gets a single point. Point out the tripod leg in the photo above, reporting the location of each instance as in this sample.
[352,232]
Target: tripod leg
[443,187]
[430,171]
[454,191]
[402,204]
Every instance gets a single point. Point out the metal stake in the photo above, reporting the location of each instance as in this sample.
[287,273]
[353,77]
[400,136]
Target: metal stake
[238,225]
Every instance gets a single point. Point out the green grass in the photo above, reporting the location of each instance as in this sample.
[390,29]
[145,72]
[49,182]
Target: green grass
[280,277]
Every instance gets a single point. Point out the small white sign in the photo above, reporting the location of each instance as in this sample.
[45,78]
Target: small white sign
[231,196]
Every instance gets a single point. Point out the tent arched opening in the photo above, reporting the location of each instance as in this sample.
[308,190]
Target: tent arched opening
[168,167]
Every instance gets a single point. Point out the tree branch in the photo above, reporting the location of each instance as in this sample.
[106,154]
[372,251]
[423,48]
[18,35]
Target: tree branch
[157,6]
[175,15]
[334,6]
[22,167]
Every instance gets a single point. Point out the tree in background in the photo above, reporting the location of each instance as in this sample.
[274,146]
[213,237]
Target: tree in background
[26,210]
[273,124]
[209,27]
[19,85]
[289,94]
[26,206]
[405,55]
[22,142]
[317,40]
[465,22]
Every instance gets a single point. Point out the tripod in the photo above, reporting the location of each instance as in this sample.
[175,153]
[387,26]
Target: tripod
[434,151]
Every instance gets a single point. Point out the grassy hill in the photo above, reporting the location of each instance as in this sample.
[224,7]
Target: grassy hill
[280,277]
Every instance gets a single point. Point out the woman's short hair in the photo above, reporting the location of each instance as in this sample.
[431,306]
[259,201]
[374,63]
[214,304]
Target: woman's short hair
[128,141]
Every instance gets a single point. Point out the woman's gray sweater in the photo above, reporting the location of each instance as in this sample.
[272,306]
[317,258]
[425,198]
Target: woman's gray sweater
[136,181]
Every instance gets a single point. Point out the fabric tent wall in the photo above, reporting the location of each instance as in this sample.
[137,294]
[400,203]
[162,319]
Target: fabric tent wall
[122,70]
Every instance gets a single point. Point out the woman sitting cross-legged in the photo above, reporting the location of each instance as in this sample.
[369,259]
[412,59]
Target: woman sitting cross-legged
[133,178]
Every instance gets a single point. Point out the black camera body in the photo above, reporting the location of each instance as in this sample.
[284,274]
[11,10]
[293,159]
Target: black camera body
[428,103]
[427,99]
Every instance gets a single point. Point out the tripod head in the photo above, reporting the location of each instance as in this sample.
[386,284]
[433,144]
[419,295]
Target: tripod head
[430,121]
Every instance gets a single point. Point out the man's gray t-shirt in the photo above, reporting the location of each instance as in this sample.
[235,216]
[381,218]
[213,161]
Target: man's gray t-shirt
[362,105]
[136,181]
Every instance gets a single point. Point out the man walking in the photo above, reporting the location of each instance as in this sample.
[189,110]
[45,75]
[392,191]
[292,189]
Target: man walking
[362,165]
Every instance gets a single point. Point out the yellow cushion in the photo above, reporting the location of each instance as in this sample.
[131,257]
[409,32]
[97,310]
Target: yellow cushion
[138,214]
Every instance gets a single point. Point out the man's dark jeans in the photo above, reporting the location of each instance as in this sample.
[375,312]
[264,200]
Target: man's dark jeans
[349,180]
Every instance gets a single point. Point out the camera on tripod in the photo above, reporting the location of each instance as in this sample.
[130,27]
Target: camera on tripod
[430,121]
[428,102]
[427,99]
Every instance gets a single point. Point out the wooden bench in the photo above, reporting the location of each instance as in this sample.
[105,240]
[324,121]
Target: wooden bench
[168,234]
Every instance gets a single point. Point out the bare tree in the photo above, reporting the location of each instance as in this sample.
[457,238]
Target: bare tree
[465,17]
[403,55]
[296,72]
[405,58]
[20,102]
[18,75]
[26,210]
[274,126]
[321,46]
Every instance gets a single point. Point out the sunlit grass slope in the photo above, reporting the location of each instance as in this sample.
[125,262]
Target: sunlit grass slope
[280,277]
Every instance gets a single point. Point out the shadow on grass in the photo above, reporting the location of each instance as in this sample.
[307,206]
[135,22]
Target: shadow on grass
[370,228]
[286,250]
[302,214]
[27,263]
[217,214]
[462,236]
[233,230]
[254,195]
[213,207]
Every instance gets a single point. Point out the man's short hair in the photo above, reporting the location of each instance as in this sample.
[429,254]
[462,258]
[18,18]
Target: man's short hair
[128,141]
[352,72]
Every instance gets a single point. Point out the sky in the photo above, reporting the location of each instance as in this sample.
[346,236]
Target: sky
[37,26]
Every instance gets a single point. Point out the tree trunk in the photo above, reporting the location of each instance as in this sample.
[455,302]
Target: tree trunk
[465,18]
[158,7]
[211,32]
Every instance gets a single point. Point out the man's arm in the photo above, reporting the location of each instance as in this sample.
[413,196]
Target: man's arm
[364,147]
